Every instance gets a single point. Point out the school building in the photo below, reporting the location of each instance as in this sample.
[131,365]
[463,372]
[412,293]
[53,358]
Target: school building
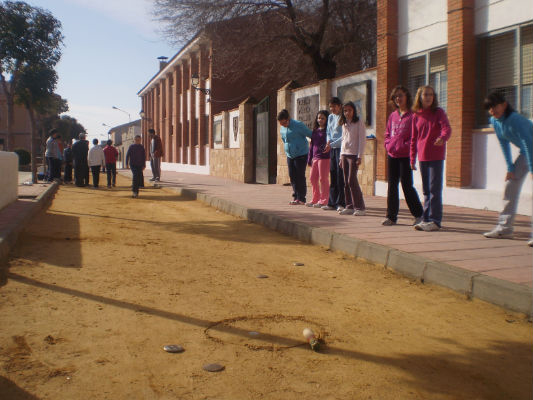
[464,49]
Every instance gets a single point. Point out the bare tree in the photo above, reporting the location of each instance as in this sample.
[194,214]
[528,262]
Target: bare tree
[321,33]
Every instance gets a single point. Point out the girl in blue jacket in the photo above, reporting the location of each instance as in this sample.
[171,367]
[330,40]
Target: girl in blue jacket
[510,128]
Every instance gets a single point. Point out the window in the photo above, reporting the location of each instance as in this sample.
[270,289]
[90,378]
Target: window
[505,64]
[431,69]
[217,132]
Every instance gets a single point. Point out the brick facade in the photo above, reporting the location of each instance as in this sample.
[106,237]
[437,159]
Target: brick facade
[461,91]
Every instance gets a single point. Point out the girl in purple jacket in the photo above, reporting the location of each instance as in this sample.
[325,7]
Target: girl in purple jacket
[431,131]
[318,160]
[397,144]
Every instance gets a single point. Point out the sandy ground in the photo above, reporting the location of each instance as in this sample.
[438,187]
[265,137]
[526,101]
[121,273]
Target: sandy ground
[101,282]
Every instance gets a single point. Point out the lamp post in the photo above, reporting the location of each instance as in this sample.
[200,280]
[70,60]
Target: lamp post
[116,108]
[109,131]
[195,81]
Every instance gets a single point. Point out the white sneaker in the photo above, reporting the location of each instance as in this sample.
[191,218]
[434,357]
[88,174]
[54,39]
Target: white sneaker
[497,233]
[327,208]
[388,222]
[340,208]
[530,242]
[430,227]
[359,212]
[318,205]
[346,211]
[419,226]
[418,220]
[309,204]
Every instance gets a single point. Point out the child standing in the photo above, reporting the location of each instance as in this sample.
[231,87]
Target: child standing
[318,159]
[431,131]
[397,143]
[352,150]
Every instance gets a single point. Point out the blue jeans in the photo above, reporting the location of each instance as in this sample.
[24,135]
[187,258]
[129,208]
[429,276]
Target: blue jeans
[297,166]
[432,178]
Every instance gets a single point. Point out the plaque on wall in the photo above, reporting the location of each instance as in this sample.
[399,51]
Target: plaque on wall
[307,110]
[360,94]
[235,129]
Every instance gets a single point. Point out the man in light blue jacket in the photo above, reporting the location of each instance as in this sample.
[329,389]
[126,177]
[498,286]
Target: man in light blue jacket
[294,135]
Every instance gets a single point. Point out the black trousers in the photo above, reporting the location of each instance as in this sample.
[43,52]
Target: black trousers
[137,177]
[400,171]
[297,166]
[81,173]
[95,170]
[336,175]
[111,170]
[68,172]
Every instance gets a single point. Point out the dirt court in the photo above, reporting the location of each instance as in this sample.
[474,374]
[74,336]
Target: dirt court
[100,282]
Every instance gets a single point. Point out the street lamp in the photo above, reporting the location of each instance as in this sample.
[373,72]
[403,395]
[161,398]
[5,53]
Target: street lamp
[109,131]
[143,116]
[116,108]
[195,81]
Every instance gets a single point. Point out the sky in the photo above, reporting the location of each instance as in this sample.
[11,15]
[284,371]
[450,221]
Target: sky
[110,52]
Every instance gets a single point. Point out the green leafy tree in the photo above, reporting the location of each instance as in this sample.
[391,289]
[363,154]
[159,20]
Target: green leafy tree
[35,90]
[28,36]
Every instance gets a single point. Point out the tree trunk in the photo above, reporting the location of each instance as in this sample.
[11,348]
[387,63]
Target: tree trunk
[10,106]
[34,146]
[325,67]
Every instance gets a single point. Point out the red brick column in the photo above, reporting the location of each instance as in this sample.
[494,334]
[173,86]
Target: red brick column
[193,131]
[203,72]
[176,104]
[167,143]
[461,91]
[388,76]
[185,85]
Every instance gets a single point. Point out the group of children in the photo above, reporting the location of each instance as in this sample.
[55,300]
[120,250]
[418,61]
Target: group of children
[415,129]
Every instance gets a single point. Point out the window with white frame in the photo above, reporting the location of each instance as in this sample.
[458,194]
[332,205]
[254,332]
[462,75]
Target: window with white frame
[429,68]
[505,64]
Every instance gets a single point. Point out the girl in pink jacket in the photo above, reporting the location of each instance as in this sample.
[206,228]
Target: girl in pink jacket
[431,131]
[397,144]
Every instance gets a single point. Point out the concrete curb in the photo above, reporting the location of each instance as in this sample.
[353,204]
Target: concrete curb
[508,295]
[9,234]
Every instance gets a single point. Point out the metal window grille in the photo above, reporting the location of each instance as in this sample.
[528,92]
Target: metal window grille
[505,64]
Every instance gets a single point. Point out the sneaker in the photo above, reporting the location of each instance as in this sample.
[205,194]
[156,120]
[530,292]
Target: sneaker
[359,212]
[135,195]
[430,227]
[418,220]
[497,233]
[296,202]
[318,205]
[328,208]
[420,225]
[152,179]
[340,208]
[530,242]
[388,222]
[309,204]
[157,179]
[346,211]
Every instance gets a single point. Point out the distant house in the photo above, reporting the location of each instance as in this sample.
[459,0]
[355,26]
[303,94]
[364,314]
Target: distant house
[21,125]
[122,137]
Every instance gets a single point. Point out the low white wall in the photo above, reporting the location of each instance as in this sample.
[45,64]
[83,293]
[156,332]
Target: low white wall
[9,163]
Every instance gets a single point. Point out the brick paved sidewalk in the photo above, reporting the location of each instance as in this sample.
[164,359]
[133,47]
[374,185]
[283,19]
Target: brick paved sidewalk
[497,270]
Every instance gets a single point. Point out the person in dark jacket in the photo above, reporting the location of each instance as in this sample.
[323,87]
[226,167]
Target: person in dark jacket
[136,160]
[111,155]
[68,158]
[156,152]
[80,150]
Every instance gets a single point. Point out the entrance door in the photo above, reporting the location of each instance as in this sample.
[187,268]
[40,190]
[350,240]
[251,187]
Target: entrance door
[261,141]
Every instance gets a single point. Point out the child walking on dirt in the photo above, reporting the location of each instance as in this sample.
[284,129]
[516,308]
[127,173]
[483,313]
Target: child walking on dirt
[431,131]
[352,150]
[318,160]
[136,160]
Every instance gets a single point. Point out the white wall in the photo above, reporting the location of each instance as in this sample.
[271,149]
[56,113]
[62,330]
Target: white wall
[497,14]
[422,25]
[9,163]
